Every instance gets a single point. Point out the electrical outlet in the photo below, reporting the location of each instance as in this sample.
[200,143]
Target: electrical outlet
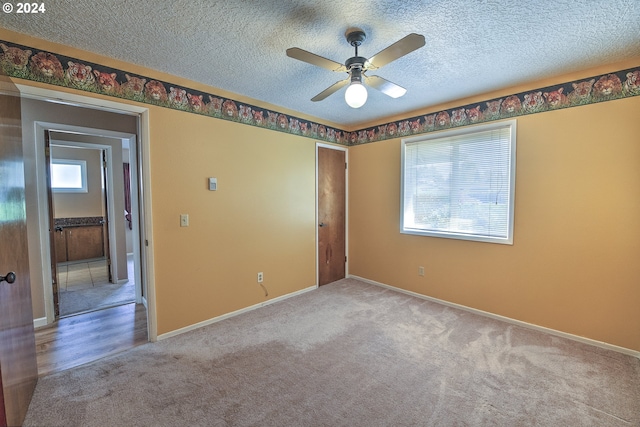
[260,277]
[420,271]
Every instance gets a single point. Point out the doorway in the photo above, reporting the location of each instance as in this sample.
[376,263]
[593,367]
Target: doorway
[331,204]
[46,110]
[113,148]
[83,279]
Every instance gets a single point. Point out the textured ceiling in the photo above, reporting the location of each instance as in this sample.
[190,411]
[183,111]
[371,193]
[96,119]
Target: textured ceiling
[472,46]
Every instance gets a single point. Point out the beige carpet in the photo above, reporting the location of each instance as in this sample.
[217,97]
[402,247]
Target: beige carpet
[349,354]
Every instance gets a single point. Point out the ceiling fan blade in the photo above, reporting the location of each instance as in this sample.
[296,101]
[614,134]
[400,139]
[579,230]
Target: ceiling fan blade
[313,59]
[330,90]
[385,86]
[397,50]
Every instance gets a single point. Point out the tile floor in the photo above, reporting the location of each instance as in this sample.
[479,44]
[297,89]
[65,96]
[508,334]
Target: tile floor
[84,275]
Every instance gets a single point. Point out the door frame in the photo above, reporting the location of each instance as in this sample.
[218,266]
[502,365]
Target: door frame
[108,201]
[142,146]
[43,207]
[346,208]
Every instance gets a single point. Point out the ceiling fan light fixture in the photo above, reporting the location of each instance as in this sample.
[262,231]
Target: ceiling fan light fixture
[356,95]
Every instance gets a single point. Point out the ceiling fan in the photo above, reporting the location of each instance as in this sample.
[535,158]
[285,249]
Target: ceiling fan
[356,66]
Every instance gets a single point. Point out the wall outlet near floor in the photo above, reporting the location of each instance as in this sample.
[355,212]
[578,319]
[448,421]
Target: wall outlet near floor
[420,271]
[260,277]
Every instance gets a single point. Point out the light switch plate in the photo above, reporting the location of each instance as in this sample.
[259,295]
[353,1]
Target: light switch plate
[213,184]
[184,220]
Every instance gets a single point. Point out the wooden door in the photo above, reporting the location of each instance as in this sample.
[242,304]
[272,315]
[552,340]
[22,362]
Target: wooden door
[52,229]
[106,249]
[18,368]
[331,215]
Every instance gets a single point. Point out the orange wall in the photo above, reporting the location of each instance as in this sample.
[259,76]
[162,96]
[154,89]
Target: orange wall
[574,264]
[261,218]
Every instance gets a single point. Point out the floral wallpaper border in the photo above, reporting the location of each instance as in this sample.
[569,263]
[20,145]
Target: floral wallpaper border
[605,87]
[41,66]
[32,64]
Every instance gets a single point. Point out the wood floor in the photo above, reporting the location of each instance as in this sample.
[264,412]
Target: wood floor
[76,340]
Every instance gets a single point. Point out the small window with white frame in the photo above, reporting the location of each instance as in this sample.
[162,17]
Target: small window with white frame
[69,176]
[460,184]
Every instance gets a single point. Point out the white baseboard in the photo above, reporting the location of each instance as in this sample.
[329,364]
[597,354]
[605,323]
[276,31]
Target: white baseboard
[232,314]
[40,322]
[549,331]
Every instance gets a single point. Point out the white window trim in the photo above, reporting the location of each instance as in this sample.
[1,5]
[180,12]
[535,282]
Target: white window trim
[511,205]
[83,176]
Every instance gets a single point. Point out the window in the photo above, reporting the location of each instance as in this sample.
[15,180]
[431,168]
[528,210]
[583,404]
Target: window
[460,184]
[69,176]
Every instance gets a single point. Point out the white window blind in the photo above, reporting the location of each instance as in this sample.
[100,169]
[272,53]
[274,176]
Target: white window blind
[460,184]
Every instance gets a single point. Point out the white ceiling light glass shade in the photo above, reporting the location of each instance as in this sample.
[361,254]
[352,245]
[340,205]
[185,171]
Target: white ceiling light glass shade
[356,95]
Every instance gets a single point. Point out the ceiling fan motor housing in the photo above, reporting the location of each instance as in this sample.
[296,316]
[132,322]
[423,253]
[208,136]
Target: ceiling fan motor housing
[355,62]
[355,65]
